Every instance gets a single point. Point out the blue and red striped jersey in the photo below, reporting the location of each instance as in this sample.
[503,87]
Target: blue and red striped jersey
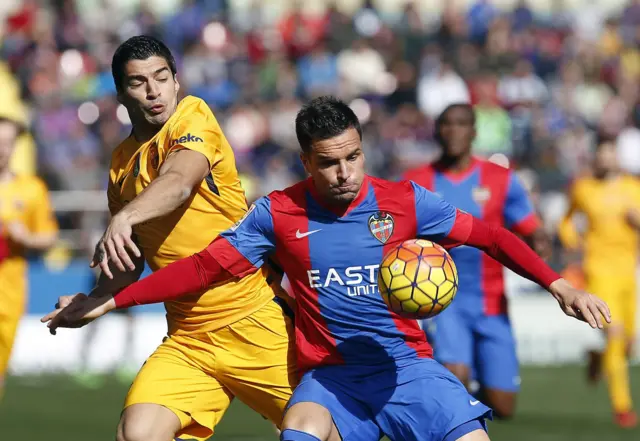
[331,260]
[494,194]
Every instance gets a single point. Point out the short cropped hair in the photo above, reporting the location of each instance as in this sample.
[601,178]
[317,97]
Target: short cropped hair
[139,47]
[323,118]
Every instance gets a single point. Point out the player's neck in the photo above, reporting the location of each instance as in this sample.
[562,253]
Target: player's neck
[606,175]
[143,132]
[455,164]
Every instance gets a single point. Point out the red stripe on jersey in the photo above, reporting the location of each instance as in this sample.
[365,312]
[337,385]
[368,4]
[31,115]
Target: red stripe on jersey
[526,226]
[230,258]
[314,344]
[460,231]
[388,197]
[424,176]
[495,178]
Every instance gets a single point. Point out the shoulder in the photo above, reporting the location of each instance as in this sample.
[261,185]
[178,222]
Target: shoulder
[291,198]
[416,173]
[32,187]
[191,110]
[493,169]
[396,191]
[580,186]
[119,155]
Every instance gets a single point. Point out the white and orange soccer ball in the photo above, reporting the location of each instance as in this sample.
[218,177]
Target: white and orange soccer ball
[418,279]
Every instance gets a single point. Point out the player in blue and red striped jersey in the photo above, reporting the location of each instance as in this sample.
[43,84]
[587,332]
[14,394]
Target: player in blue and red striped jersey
[367,371]
[475,335]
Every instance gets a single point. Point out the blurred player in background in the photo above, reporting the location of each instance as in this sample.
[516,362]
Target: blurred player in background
[367,371]
[27,223]
[610,201]
[474,338]
[173,187]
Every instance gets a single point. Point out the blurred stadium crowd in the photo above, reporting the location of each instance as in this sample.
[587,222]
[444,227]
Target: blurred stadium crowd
[546,86]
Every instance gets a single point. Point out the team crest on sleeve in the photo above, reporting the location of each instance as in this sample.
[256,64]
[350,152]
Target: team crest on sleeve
[154,156]
[381,226]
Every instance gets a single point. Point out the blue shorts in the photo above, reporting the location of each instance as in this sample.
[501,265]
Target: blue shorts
[420,401]
[483,343]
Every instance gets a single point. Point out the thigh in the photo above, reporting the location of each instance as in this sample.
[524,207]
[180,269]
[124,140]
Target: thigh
[8,328]
[146,421]
[176,377]
[256,360]
[426,404]
[351,416]
[496,361]
[451,337]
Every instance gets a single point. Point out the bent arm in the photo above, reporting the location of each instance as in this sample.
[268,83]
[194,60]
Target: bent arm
[179,176]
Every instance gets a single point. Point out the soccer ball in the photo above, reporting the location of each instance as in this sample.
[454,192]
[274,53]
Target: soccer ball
[418,279]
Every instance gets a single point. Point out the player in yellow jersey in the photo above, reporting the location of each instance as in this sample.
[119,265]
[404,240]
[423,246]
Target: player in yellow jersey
[26,223]
[173,186]
[610,201]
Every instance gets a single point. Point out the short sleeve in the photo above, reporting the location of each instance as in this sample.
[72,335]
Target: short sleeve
[434,216]
[42,219]
[197,133]
[253,235]
[518,209]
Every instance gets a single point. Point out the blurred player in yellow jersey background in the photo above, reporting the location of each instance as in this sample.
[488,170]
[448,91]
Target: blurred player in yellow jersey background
[610,202]
[173,187]
[26,223]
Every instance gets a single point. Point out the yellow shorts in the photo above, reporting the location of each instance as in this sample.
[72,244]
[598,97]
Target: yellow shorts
[197,376]
[621,296]
[8,328]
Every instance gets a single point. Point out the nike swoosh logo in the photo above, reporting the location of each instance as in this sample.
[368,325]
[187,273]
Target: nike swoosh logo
[300,235]
[473,403]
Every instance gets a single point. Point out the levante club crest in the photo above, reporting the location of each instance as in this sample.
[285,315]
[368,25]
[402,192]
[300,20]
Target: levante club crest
[381,226]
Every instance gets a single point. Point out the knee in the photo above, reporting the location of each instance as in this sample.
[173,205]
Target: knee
[134,431]
[142,429]
[308,418]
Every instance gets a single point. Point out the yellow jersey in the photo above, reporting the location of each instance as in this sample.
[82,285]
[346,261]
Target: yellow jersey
[217,204]
[610,242]
[23,199]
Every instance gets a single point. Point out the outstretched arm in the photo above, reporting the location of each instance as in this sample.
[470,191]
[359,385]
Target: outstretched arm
[237,252]
[181,173]
[439,221]
[506,248]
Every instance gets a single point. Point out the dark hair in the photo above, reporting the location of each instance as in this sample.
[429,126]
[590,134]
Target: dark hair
[440,119]
[139,47]
[323,118]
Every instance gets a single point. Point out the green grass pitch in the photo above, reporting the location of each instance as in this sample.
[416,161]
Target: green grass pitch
[555,405]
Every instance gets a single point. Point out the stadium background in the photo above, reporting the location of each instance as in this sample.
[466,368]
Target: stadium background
[547,78]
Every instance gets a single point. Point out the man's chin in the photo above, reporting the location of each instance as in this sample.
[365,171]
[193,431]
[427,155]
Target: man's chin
[344,198]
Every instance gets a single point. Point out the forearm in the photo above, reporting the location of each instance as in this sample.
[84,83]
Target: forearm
[186,276]
[506,248]
[121,279]
[163,195]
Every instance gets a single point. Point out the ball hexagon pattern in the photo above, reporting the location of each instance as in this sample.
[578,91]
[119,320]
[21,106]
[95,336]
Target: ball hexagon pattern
[418,279]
